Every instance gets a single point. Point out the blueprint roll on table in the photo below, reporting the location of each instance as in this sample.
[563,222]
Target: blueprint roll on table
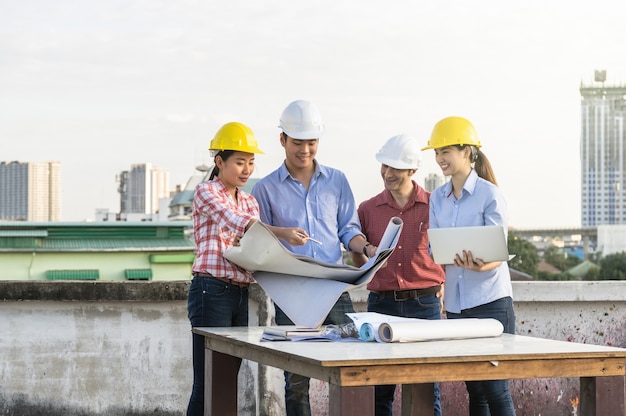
[369,332]
[428,330]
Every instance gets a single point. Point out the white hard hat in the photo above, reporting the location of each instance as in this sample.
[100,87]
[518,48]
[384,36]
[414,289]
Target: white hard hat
[302,120]
[400,152]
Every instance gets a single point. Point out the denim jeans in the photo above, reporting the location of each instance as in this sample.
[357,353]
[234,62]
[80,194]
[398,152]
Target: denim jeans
[424,307]
[297,386]
[211,302]
[492,397]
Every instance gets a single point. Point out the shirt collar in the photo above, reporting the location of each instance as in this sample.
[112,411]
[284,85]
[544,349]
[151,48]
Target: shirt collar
[419,195]
[470,182]
[283,173]
[469,185]
[222,188]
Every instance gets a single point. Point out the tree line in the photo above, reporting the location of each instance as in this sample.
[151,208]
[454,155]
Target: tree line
[527,259]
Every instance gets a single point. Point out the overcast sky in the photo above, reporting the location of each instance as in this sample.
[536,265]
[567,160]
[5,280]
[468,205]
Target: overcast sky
[100,85]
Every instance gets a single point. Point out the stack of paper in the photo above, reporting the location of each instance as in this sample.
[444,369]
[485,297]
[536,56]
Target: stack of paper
[293,333]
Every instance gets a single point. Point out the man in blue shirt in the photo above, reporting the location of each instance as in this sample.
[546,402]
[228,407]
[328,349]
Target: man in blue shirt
[317,198]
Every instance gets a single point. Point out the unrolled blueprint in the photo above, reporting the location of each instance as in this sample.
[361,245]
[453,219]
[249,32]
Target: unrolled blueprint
[305,288]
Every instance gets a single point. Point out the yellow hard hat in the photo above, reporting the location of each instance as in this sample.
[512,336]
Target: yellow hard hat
[451,131]
[235,136]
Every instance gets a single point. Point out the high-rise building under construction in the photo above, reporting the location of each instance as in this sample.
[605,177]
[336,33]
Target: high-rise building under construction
[603,152]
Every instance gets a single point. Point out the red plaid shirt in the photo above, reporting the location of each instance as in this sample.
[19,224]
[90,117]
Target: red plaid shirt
[410,266]
[217,220]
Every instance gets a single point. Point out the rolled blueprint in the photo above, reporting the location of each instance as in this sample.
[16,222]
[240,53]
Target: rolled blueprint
[366,333]
[369,332]
[428,330]
[368,323]
[391,234]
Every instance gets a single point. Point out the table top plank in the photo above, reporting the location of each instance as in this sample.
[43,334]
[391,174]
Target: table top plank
[337,354]
[428,373]
[363,363]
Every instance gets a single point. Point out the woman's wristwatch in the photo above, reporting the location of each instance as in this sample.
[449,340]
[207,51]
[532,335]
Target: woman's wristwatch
[365,249]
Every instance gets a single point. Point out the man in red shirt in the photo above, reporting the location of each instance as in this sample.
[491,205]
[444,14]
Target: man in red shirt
[411,285]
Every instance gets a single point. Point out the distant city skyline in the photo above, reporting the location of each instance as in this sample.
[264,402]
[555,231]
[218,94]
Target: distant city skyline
[30,191]
[100,86]
[140,189]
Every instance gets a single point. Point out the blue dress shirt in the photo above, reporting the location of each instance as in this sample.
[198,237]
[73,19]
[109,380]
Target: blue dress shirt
[481,203]
[326,211]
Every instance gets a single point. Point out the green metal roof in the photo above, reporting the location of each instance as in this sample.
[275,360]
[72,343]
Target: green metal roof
[182,198]
[23,233]
[114,236]
[77,274]
[582,269]
[172,258]
[138,274]
[98,245]
[102,224]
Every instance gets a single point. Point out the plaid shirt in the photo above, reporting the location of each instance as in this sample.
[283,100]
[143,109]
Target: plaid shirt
[217,220]
[410,266]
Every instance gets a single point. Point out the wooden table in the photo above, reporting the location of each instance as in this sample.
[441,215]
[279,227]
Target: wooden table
[351,368]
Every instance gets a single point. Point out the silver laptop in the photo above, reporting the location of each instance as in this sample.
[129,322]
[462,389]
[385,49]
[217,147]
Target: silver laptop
[487,243]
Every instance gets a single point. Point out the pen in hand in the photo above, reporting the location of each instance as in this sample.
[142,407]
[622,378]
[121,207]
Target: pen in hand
[308,238]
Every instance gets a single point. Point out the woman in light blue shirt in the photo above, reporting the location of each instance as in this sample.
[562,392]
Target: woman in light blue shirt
[474,289]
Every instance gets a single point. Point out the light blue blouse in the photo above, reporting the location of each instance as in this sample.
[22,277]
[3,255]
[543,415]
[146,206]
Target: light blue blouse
[327,211]
[481,203]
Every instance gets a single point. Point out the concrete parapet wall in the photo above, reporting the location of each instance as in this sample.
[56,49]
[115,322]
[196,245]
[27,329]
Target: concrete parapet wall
[124,348]
[586,312]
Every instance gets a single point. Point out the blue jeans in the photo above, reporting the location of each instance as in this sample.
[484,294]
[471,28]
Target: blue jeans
[297,386]
[492,397]
[211,302]
[424,307]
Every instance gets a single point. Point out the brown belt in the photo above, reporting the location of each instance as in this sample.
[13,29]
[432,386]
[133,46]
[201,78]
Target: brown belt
[400,295]
[222,279]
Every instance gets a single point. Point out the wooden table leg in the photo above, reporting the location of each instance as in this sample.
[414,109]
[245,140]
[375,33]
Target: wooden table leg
[602,396]
[418,399]
[350,401]
[220,384]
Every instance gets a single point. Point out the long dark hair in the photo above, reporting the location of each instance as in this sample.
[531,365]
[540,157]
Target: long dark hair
[224,155]
[482,166]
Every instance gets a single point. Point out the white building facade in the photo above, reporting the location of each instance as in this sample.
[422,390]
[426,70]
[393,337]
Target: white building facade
[433,181]
[30,191]
[141,188]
